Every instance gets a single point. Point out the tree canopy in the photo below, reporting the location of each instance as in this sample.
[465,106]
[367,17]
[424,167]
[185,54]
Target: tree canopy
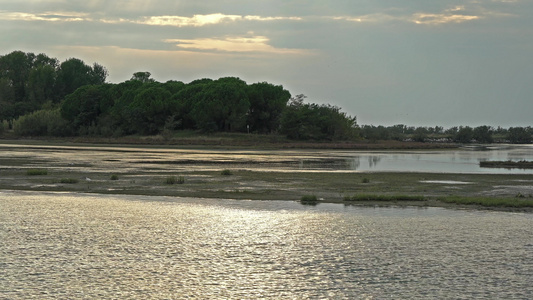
[48,97]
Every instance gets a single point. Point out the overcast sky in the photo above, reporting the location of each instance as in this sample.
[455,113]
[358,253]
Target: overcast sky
[413,62]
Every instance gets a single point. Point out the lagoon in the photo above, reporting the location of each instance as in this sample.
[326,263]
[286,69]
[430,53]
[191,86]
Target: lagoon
[79,246]
[137,158]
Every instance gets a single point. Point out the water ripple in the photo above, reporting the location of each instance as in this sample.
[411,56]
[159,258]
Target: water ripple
[72,246]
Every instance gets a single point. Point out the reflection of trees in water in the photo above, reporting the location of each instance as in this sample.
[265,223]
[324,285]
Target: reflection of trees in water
[373,161]
[354,163]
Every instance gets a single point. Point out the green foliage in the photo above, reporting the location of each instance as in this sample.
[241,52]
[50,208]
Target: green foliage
[42,123]
[220,105]
[267,103]
[226,172]
[150,109]
[69,180]
[489,201]
[309,200]
[365,180]
[82,107]
[36,172]
[392,198]
[483,134]
[375,133]
[74,73]
[317,122]
[29,81]
[520,135]
[464,135]
[175,180]
[114,177]
[143,77]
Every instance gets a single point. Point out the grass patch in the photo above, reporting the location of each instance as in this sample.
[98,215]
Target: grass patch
[365,180]
[175,180]
[488,201]
[114,177]
[69,180]
[309,200]
[371,197]
[226,172]
[35,172]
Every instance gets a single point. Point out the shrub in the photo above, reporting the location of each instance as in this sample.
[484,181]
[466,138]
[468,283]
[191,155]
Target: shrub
[171,180]
[226,172]
[370,197]
[114,177]
[69,180]
[175,180]
[488,201]
[42,122]
[35,172]
[365,180]
[309,200]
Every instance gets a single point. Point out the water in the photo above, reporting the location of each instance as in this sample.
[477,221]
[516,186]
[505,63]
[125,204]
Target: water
[76,246]
[136,159]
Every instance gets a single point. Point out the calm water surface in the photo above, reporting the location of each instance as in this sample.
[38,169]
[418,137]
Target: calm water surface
[76,246]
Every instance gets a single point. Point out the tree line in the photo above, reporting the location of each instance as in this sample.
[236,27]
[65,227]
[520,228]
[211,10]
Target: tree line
[40,96]
[458,134]
[29,82]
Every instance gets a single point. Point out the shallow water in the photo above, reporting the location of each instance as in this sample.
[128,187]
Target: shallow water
[76,246]
[137,159]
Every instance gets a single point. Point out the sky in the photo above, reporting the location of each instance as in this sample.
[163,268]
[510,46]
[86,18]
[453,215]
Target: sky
[413,62]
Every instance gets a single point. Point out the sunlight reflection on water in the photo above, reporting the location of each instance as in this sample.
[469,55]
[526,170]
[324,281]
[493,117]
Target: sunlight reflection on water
[73,246]
[131,159]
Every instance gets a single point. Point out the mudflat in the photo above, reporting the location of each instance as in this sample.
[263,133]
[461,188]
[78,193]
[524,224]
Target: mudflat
[258,175]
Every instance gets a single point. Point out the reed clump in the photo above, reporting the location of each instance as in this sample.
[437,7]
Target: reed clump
[516,202]
[226,172]
[36,172]
[69,180]
[175,180]
[309,200]
[391,198]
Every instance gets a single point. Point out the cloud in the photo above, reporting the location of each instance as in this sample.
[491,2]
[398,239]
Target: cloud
[237,44]
[436,19]
[456,14]
[203,20]
[46,16]
[195,21]
[168,20]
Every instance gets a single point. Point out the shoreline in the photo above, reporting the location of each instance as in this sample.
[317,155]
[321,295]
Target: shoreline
[66,168]
[245,141]
[433,203]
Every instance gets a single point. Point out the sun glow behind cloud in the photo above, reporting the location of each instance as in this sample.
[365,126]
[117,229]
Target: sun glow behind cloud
[238,44]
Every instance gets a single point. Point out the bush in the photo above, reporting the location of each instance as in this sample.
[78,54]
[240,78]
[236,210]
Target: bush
[114,177]
[175,180]
[392,198]
[309,200]
[35,172]
[226,172]
[365,180]
[42,122]
[69,180]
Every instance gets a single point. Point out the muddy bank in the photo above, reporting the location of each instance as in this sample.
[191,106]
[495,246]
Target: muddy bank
[122,170]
